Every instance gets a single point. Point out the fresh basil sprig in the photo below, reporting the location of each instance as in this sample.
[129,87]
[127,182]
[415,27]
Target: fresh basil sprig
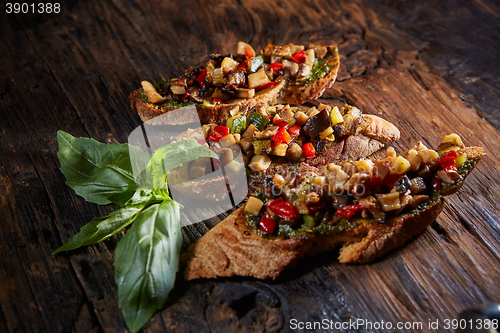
[147,257]
[146,262]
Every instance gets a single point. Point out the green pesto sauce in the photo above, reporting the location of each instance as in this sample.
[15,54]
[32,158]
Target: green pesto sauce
[319,69]
[463,171]
[169,104]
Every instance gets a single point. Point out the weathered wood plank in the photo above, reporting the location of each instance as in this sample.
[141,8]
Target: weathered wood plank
[75,73]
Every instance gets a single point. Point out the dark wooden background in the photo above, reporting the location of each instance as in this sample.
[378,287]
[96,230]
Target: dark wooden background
[430,67]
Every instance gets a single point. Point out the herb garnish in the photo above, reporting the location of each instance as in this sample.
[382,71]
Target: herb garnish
[147,257]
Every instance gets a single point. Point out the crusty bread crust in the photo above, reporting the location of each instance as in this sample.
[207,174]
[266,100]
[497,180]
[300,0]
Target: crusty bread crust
[233,247]
[377,128]
[299,93]
[392,234]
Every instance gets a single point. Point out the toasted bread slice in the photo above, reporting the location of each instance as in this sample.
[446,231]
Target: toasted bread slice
[208,113]
[409,190]
[290,74]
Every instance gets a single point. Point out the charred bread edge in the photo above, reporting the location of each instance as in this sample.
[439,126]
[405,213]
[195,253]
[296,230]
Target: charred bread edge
[299,92]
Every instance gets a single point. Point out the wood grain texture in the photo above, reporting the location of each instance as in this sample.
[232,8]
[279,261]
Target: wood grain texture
[414,63]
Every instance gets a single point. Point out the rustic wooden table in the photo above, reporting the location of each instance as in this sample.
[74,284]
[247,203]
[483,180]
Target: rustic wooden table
[430,67]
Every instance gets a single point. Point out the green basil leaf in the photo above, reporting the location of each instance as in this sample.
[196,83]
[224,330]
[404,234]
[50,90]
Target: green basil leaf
[146,262]
[102,228]
[101,173]
[144,196]
[172,156]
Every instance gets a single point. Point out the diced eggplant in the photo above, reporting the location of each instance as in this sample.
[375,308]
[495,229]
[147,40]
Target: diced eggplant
[236,78]
[317,124]
[389,201]
[417,185]
[320,146]
[339,201]
[403,185]
[295,153]
[373,207]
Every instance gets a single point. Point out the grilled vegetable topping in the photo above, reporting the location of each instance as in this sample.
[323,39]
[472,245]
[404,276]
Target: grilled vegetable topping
[356,192]
[225,78]
[289,132]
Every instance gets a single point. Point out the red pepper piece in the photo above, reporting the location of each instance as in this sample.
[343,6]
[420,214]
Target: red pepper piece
[266,86]
[202,77]
[309,150]
[201,141]
[281,123]
[450,153]
[349,211]
[436,184]
[299,57]
[374,182]
[448,163]
[390,179]
[282,208]
[267,225]
[222,130]
[281,136]
[243,66]
[217,100]
[186,95]
[294,130]
[248,54]
[276,66]
[214,136]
